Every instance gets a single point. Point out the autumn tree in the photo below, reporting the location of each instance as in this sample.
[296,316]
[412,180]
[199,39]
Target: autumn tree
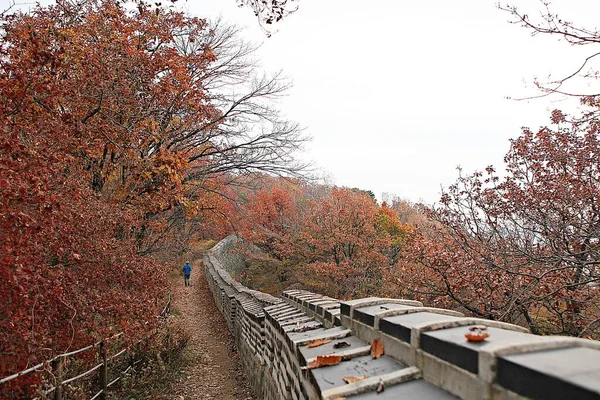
[332,240]
[389,224]
[338,239]
[117,133]
[247,136]
[523,248]
[410,213]
[80,86]
[272,220]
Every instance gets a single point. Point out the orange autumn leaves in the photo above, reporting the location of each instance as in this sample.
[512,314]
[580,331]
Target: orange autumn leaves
[336,241]
[376,351]
[324,361]
[89,103]
[318,342]
[376,348]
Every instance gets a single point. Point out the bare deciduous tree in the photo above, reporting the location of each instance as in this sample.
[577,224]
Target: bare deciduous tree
[550,23]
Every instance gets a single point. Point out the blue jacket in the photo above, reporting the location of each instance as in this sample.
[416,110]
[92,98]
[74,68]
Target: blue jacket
[187,269]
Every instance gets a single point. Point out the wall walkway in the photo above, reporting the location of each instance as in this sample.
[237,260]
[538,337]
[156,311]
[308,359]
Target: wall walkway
[426,353]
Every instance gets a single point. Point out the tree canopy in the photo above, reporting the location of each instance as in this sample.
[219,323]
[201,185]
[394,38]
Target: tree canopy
[120,140]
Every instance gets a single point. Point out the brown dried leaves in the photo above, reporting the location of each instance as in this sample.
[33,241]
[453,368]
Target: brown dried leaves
[376,348]
[477,334]
[324,361]
[352,379]
[317,343]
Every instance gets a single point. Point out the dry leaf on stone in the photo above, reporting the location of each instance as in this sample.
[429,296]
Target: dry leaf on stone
[306,328]
[317,343]
[339,398]
[352,379]
[380,387]
[324,361]
[477,334]
[376,348]
[339,345]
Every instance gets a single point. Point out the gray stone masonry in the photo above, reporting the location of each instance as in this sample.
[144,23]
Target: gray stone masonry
[426,353]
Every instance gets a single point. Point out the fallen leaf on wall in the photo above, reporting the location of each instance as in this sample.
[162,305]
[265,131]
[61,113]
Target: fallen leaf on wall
[323,361]
[318,342]
[304,328]
[477,334]
[352,379]
[376,348]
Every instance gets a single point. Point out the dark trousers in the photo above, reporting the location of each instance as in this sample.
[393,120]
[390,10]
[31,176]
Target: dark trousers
[187,280]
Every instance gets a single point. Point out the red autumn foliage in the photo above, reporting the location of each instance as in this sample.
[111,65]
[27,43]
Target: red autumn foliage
[522,249]
[334,240]
[342,243]
[525,248]
[118,146]
[75,189]
[113,155]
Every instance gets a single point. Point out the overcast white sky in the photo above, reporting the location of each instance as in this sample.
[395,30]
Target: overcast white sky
[396,94]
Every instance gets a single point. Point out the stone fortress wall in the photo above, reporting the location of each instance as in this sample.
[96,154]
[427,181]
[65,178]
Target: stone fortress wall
[426,353]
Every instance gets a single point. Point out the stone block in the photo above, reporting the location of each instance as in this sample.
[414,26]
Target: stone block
[451,345]
[400,326]
[331,377]
[367,314]
[451,378]
[568,373]
[305,353]
[415,389]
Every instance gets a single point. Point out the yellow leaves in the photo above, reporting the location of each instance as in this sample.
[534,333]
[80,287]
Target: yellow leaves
[389,222]
[317,343]
[376,348]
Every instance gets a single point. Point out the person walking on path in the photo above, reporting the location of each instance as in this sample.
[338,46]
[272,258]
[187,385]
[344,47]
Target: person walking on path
[187,271]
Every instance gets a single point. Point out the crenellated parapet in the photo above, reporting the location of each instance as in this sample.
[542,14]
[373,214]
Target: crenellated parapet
[426,354]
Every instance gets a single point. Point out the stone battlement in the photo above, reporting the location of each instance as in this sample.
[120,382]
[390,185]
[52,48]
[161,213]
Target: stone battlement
[426,353]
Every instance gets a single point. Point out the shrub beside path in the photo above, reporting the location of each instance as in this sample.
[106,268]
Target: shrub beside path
[212,368]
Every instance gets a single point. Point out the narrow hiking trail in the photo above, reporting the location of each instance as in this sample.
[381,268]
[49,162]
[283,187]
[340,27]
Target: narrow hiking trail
[212,369]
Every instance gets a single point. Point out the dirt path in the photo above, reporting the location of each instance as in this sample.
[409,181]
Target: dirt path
[212,369]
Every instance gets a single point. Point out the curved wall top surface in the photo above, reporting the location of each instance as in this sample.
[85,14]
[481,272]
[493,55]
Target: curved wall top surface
[426,353]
